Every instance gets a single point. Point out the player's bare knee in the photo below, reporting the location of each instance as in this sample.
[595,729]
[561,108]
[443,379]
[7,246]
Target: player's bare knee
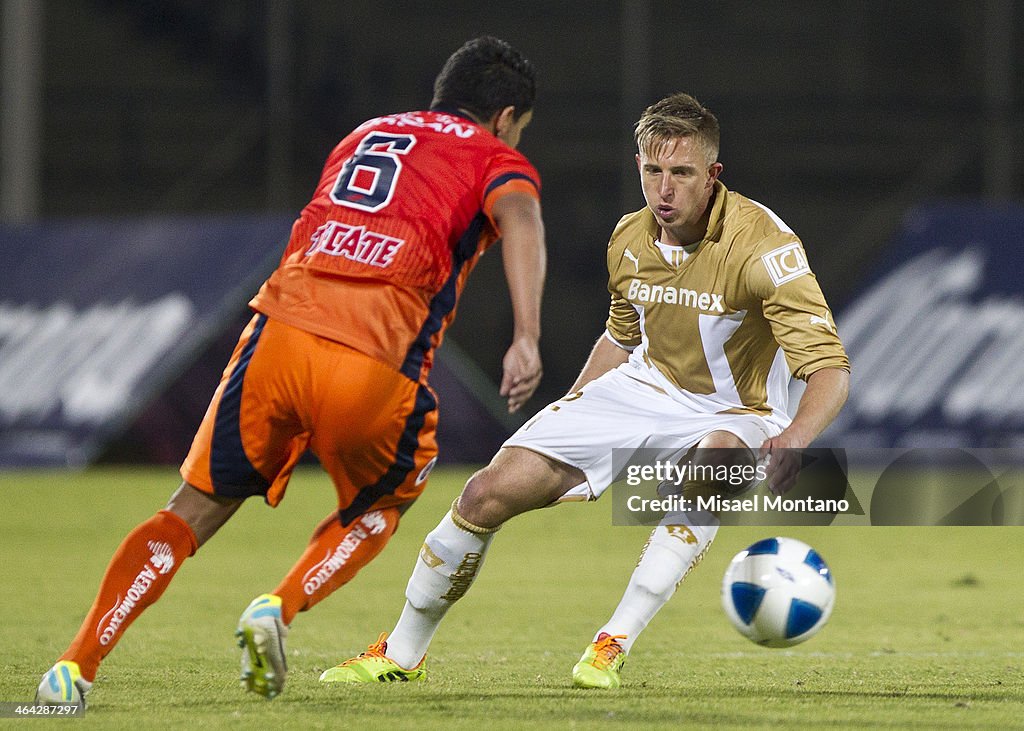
[722,440]
[728,450]
[516,480]
[720,465]
[482,500]
[204,513]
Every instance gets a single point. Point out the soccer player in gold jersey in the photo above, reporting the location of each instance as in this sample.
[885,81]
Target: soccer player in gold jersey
[713,310]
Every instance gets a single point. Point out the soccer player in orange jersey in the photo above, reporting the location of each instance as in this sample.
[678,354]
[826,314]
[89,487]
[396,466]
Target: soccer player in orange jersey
[337,355]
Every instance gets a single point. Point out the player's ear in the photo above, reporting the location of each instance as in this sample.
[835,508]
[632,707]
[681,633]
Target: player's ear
[714,170]
[503,121]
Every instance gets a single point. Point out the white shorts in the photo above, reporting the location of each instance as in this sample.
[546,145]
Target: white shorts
[618,412]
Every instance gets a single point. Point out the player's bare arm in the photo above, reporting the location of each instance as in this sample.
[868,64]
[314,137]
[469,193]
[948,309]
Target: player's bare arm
[518,217]
[824,396]
[604,357]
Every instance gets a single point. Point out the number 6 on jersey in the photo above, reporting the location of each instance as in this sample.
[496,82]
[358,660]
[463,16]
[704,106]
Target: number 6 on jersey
[367,179]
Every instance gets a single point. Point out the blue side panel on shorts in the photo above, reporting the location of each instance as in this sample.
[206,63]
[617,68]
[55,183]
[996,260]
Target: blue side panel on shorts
[230,469]
[444,301]
[404,462]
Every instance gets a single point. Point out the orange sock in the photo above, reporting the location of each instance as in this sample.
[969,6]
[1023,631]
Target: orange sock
[139,571]
[334,555]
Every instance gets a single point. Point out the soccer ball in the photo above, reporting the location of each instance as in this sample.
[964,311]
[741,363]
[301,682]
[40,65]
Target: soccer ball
[778,592]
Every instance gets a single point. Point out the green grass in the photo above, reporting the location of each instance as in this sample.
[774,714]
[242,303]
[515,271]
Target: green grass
[927,631]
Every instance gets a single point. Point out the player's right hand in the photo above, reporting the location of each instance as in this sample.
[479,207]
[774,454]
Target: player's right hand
[521,372]
[781,455]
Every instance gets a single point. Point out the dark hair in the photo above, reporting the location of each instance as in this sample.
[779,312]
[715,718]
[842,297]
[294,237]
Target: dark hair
[483,77]
[678,115]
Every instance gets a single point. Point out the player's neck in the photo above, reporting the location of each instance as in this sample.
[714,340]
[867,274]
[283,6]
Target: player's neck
[457,111]
[687,236]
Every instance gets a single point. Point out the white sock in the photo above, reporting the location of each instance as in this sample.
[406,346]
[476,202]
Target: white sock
[447,565]
[666,559]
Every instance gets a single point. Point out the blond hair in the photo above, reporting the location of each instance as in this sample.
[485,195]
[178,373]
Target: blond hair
[675,116]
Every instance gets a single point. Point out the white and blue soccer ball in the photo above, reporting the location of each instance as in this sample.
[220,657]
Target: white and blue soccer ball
[778,592]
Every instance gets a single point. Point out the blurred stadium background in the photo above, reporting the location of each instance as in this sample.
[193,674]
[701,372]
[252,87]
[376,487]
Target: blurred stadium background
[155,151]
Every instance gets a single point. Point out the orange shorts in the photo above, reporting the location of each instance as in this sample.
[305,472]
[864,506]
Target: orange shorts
[286,390]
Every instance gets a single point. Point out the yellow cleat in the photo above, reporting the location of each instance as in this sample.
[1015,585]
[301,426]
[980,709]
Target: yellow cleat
[599,667]
[373,666]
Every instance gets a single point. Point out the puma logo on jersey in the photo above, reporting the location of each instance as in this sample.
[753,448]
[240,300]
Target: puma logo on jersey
[636,262]
[657,294]
[815,320]
[786,263]
[357,243]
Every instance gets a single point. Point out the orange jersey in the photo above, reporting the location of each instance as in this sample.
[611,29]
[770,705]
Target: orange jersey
[378,258]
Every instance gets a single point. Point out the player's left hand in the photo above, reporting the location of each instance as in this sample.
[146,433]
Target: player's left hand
[783,453]
[521,372]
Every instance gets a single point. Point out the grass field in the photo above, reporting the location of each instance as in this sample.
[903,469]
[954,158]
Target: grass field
[928,630]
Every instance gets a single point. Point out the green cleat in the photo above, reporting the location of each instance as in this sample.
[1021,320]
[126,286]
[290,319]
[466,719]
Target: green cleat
[599,667]
[373,666]
[261,635]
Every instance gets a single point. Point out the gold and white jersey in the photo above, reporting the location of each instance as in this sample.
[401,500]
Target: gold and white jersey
[726,326]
